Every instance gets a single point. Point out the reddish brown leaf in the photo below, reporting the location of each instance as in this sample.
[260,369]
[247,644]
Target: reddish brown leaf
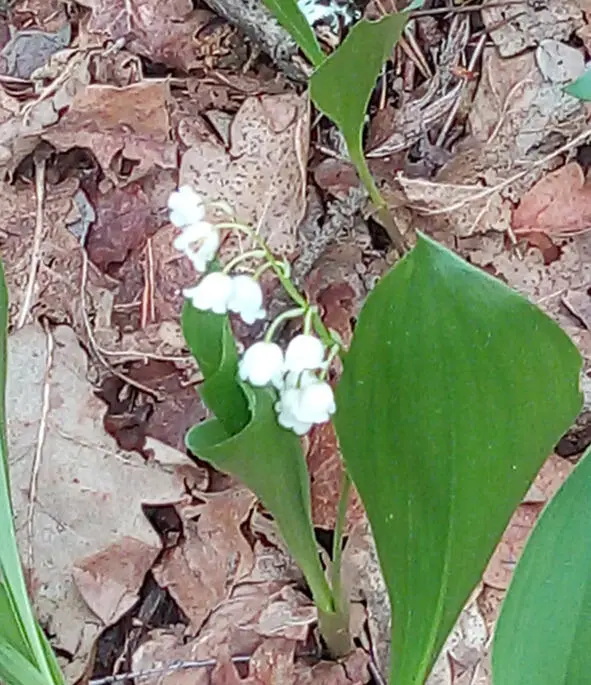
[130,122]
[110,580]
[161,31]
[559,204]
[212,557]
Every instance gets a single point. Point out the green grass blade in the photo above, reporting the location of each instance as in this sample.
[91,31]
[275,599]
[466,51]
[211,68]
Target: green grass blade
[15,669]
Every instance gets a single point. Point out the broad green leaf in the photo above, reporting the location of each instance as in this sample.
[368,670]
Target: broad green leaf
[543,636]
[292,19]
[211,342]
[14,587]
[341,87]
[269,461]
[581,87]
[453,393]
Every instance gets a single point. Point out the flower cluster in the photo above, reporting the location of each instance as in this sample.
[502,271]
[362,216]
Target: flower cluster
[304,397]
[298,374]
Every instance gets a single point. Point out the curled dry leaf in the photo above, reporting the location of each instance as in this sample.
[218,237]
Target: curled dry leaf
[263,174]
[74,495]
[130,122]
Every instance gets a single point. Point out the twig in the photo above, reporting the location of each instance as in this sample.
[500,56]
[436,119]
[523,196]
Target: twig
[173,667]
[415,14]
[36,465]
[485,192]
[454,108]
[37,238]
[92,340]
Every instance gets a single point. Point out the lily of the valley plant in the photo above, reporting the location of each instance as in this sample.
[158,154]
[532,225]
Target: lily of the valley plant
[443,415]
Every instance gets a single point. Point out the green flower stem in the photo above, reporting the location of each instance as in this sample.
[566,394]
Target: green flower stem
[241,258]
[284,316]
[381,206]
[339,531]
[275,264]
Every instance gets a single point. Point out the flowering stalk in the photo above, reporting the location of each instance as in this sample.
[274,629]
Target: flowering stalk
[299,374]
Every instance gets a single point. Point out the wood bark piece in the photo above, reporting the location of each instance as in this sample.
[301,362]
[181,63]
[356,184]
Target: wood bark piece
[258,23]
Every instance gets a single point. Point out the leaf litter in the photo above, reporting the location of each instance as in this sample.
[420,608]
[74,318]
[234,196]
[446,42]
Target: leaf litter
[110,105]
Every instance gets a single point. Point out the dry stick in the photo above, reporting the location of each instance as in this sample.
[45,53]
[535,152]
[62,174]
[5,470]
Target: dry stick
[173,667]
[454,108]
[415,14]
[92,340]
[37,238]
[36,465]
[485,192]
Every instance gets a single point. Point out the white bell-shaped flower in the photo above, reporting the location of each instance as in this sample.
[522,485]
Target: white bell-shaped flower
[206,253]
[186,207]
[304,352]
[211,293]
[315,403]
[261,364]
[247,299]
[286,416]
[304,401]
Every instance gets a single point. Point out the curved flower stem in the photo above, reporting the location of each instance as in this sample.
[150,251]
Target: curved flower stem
[381,206]
[275,263]
[289,314]
[241,258]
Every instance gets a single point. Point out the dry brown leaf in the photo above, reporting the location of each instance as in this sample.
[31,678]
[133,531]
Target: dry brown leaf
[88,496]
[549,479]
[131,122]
[559,204]
[109,580]
[513,28]
[213,556]
[28,50]
[162,32]
[263,174]
[502,564]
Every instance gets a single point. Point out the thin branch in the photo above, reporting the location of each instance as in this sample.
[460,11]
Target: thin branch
[37,238]
[173,667]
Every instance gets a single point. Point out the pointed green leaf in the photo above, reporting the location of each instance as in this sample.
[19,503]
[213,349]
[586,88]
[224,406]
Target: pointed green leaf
[209,337]
[581,87]
[342,85]
[10,627]
[269,460]
[454,391]
[543,636]
[15,669]
[290,16]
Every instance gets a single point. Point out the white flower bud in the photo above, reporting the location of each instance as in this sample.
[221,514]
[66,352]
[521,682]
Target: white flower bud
[186,207]
[206,253]
[192,234]
[211,293]
[262,363]
[304,352]
[246,299]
